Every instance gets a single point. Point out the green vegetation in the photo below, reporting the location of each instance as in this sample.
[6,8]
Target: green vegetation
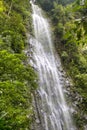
[70,28]
[17,77]
[47,5]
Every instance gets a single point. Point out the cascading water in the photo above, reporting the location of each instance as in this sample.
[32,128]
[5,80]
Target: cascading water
[55,111]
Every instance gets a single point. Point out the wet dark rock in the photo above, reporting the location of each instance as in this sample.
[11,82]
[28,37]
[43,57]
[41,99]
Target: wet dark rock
[38,112]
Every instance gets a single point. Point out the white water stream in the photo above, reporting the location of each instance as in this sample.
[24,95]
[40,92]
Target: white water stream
[55,111]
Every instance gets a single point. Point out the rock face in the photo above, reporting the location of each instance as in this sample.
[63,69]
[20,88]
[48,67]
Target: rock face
[72,99]
[38,114]
[38,110]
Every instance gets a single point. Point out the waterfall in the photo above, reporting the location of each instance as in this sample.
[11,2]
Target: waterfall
[55,111]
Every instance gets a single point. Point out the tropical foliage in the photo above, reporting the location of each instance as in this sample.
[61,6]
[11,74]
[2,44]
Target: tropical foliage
[17,77]
[70,28]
